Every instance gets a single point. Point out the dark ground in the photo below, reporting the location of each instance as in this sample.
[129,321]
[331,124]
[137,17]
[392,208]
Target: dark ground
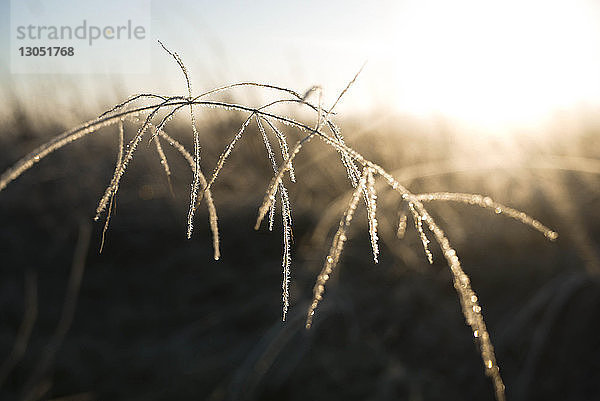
[157,319]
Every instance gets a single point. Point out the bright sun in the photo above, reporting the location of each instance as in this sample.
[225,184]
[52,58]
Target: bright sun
[497,63]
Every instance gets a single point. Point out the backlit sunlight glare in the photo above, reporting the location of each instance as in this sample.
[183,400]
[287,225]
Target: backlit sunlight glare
[496,64]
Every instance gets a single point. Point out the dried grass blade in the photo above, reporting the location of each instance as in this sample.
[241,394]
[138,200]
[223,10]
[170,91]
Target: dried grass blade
[335,251]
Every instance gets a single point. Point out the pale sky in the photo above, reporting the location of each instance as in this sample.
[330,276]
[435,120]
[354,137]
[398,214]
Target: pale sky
[489,64]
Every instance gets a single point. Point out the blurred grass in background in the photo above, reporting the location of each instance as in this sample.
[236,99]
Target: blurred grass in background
[157,318]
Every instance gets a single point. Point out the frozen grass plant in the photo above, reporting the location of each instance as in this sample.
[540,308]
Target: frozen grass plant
[153,112]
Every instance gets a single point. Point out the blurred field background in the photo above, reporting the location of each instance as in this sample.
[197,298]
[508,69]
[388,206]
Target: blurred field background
[155,318]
